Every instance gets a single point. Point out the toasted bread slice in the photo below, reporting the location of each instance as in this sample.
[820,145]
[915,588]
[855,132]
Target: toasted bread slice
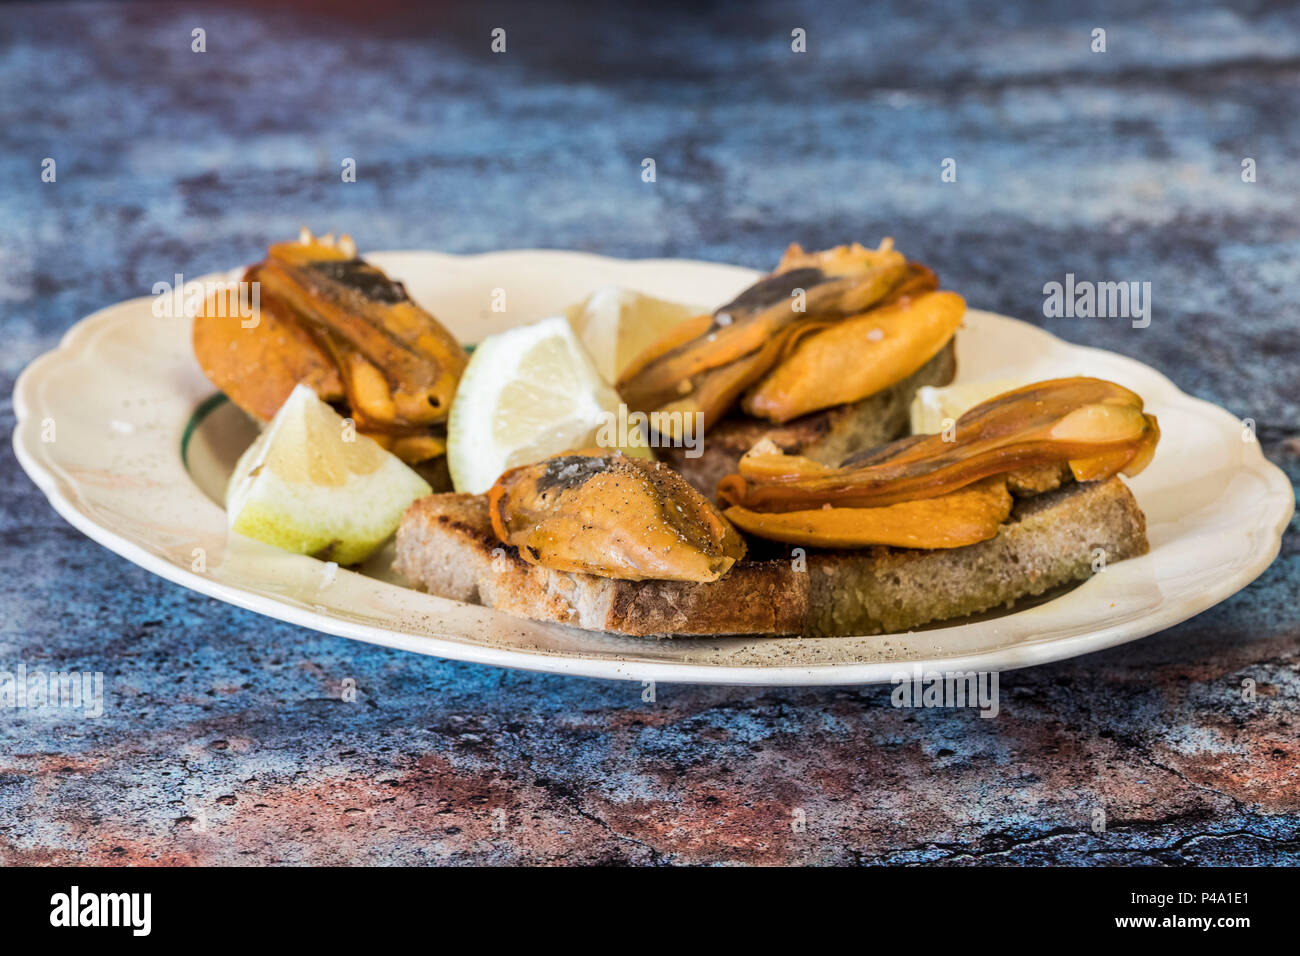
[827,436]
[445,545]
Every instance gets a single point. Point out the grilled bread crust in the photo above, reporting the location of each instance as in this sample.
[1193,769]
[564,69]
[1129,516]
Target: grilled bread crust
[445,545]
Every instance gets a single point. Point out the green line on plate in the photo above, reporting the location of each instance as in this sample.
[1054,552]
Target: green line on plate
[206,407]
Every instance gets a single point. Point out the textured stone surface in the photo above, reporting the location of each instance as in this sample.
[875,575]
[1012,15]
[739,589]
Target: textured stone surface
[223,738]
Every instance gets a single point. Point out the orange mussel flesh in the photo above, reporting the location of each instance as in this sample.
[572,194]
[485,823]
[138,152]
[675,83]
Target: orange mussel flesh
[1096,427]
[613,516]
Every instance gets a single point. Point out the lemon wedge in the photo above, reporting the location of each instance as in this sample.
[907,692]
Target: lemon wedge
[616,325]
[931,405]
[527,394]
[311,485]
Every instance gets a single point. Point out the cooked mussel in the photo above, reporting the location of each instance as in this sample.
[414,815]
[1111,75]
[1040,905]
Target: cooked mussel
[331,320]
[399,365]
[858,356]
[1095,427]
[707,364]
[965,516]
[613,516]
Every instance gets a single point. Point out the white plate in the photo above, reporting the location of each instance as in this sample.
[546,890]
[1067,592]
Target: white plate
[118,392]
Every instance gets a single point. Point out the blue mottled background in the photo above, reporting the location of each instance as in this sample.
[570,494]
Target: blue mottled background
[224,740]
